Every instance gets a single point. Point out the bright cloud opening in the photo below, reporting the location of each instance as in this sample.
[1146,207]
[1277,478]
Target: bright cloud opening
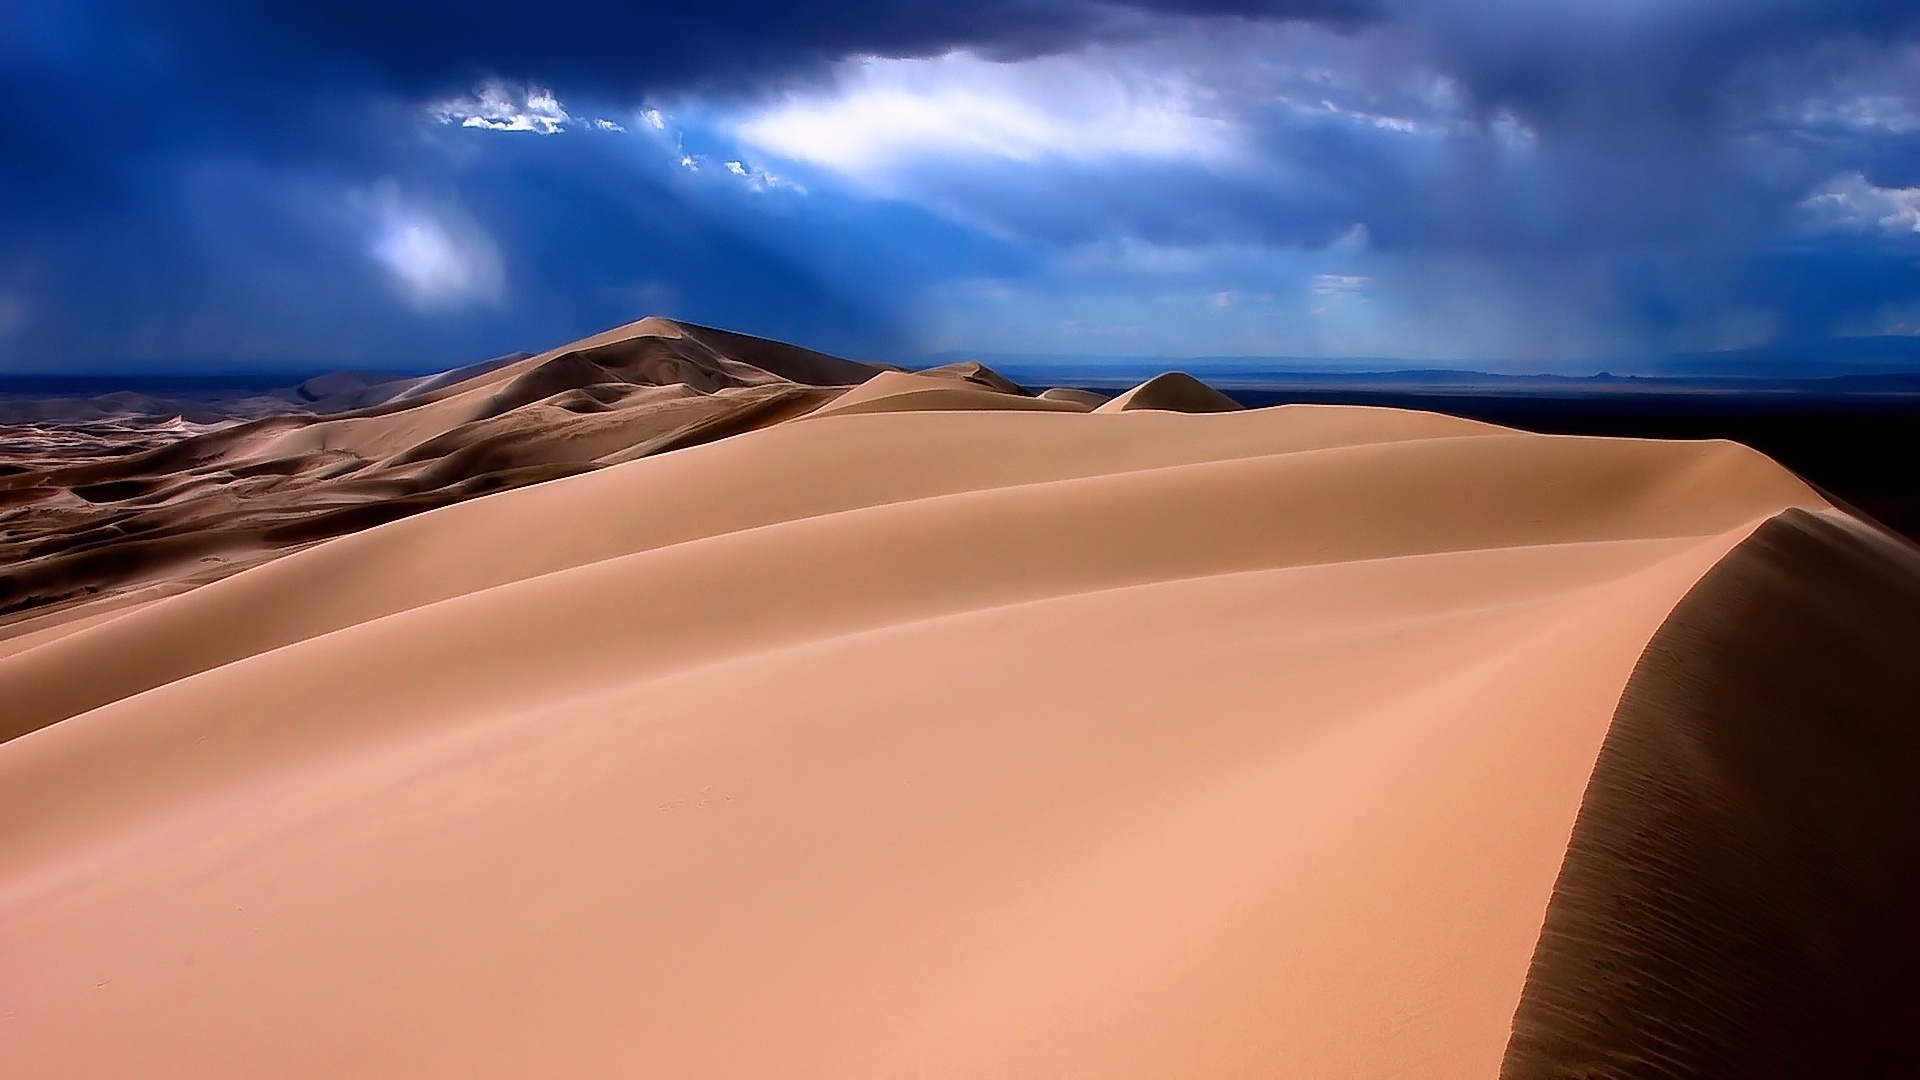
[886,112]
[437,258]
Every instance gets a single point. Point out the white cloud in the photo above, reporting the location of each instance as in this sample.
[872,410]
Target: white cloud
[757,179]
[1216,97]
[885,112]
[1874,99]
[496,106]
[438,258]
[1891,114]
[1849,203]
[1338,284]
[1329,291]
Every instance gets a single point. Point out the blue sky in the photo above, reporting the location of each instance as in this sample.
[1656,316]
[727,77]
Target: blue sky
[1533,184]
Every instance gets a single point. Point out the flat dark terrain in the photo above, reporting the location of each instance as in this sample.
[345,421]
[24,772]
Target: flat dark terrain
[1859,450]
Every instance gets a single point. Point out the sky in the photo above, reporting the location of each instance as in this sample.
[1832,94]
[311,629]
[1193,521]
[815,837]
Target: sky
[1550,185]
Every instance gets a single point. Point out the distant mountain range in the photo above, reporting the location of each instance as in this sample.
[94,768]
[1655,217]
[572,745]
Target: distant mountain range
[1850,366]
[1873,364]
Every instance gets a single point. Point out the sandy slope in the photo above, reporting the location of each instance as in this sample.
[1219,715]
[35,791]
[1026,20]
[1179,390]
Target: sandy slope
[943,732]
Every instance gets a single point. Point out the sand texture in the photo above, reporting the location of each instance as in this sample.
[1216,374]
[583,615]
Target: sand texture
[933,728]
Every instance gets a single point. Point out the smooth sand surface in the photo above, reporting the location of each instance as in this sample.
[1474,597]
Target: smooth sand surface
[940,732]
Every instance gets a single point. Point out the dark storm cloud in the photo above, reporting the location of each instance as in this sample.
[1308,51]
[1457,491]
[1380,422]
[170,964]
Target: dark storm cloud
[163,162]
[219,181]
[431,44]
[1654,164]
[1443,170]
[1645,69]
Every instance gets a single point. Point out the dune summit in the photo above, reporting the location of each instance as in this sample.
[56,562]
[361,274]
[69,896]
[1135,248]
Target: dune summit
[930,727]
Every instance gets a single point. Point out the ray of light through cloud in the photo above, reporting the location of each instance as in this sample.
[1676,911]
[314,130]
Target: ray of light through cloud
[438,257]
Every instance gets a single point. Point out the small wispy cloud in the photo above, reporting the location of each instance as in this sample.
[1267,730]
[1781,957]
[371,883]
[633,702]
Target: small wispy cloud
[1328,290]
[496,106]
[1338,284]
[1851,203]
[761,179]
[1876,99]
[1891,114]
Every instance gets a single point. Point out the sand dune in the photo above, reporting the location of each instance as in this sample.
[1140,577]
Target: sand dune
[1175,391]
[934,728]
[123,501]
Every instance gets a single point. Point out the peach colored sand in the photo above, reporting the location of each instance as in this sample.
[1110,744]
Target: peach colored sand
[946,732]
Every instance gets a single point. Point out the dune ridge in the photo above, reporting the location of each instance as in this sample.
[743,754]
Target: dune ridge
[932,727]
[1574,488]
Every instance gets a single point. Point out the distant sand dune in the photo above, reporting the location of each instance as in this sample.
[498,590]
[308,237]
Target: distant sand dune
[935,728]
[1175,391]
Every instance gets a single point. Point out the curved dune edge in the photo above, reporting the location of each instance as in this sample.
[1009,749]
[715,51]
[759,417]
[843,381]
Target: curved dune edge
[963,743]
[1739,894]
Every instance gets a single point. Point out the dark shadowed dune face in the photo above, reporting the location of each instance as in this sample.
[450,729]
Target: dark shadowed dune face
[1861,449]
[107,493]
[1740,894]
